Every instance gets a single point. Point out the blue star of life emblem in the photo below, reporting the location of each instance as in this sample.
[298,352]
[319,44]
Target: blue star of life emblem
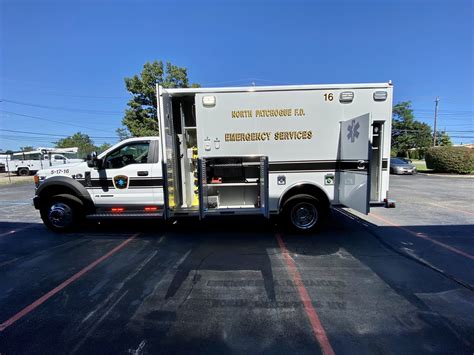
[121,181]
[353,132]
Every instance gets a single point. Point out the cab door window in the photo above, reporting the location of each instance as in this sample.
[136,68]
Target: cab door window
[132,153]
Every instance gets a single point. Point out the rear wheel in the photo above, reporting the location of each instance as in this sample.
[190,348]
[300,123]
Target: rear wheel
[303,213]
[24,172]
[61,213]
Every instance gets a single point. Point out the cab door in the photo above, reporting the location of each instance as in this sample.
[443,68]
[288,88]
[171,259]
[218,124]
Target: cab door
[354,157]
[130,177]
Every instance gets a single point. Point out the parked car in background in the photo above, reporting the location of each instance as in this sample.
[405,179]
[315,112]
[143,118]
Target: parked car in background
[401,166]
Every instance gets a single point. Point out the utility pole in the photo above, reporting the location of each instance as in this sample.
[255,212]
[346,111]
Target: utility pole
[435,120]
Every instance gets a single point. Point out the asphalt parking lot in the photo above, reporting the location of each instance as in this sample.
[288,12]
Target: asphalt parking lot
[398,281]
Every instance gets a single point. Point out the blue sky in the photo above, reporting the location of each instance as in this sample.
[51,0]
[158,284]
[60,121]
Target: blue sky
[68,58]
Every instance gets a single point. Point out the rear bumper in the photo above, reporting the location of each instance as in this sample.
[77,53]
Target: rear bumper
[404,171]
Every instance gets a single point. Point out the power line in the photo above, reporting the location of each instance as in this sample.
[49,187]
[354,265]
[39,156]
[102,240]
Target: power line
[49,134]
[50,120]
[78,110]
[454,118]
[457,131]
[459,125]
[444,111]
[20,137]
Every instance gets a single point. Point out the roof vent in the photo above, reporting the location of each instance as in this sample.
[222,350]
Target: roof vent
[346,96]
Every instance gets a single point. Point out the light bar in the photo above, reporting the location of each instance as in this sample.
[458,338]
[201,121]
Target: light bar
[380,95]
[151,209]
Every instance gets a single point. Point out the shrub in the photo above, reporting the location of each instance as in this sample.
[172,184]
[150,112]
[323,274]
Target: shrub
[459,160]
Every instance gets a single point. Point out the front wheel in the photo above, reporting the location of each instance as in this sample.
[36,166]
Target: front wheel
[61,213]
[303,213]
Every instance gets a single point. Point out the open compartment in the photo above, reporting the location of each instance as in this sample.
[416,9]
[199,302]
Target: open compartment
[234,184]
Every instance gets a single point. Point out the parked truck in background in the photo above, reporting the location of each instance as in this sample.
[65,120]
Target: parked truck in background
[27,163]
[291,151]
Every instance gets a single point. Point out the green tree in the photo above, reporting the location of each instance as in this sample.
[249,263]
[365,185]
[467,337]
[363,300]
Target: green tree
[80,140]
[443,139]
[122,133]
[407,132]
[141,116]
[28,148]
[103,147]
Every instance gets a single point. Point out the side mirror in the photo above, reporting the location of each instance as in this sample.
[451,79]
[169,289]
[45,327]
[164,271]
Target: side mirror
[92,161]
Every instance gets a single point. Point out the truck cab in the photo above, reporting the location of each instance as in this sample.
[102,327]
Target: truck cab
[125,180]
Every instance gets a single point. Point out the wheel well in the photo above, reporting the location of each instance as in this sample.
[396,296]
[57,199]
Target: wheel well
[59,190]
[305,189]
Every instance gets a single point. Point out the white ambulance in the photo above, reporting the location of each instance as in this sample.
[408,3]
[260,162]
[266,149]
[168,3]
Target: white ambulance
[291,151]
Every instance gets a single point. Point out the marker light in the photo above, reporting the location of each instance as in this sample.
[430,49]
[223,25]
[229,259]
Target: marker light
[346,96]
[380,95]
[151,209]
[209,101]
[117,209]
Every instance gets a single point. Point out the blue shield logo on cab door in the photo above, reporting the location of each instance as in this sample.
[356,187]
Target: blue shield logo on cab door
[120,181]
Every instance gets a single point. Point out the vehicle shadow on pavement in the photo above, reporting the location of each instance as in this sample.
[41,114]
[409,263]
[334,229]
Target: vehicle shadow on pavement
[435,283]
[227,261]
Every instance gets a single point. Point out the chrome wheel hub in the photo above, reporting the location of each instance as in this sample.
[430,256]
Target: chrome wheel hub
[60,215]
[304,215]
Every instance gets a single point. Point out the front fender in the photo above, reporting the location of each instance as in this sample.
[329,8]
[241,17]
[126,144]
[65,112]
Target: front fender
[60,184]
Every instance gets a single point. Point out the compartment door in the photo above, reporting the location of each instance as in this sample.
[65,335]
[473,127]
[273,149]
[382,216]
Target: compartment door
[264,187]
[170,158]
[354,155]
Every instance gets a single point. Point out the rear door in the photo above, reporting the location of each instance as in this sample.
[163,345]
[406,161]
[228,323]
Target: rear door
[354,157]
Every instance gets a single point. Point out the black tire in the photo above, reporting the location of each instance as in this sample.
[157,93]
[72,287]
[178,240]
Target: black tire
[62,213]
[304,213]
[23,172]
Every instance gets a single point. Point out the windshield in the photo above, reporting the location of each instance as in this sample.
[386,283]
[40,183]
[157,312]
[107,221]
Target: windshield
[398,161]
